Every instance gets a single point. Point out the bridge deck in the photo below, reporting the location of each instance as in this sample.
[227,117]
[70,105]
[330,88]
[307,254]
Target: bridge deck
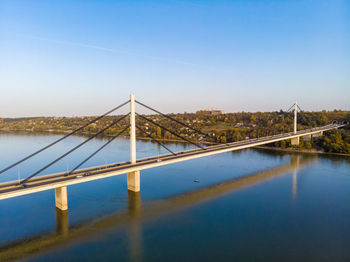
[13,189]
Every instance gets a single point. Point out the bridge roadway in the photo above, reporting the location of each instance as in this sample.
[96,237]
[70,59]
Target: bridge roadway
[46,182]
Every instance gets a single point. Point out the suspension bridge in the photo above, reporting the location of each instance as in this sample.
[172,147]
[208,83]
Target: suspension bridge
[60,181]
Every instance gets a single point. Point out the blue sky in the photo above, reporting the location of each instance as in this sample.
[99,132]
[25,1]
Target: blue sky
[84,57]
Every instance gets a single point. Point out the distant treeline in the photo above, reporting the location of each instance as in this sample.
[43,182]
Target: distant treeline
[228,127]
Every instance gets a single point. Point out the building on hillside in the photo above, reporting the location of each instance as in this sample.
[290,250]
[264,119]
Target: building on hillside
[211,112]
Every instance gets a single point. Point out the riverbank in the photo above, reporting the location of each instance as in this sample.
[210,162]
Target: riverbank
[304,151]
[85,134]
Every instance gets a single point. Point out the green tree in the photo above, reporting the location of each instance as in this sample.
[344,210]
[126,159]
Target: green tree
[159,132]
[223,139]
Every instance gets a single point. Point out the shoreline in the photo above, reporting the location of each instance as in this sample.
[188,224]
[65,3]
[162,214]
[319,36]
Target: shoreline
[304,151]
[87,134]
[289,150]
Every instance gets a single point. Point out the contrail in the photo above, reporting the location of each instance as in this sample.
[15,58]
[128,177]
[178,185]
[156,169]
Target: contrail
[112,50]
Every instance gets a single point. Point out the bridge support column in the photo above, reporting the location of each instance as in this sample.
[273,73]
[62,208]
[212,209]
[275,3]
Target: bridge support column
[307,137]
[61,198]
[133,177]
[295,116]
[295,141]
[318,134]
[134,181]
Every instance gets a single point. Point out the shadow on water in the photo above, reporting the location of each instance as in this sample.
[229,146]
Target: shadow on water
[137,213]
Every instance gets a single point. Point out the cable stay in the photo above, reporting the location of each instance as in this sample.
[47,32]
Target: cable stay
[290,108]
[302,116]
[98,150]
[73,149]
[154,123]
[62,138]
[177,121]
[159,143]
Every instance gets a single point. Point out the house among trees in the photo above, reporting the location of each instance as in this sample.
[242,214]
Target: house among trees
[212,112]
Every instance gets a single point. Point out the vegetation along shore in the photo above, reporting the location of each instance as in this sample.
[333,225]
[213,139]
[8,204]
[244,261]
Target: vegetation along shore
[224,127]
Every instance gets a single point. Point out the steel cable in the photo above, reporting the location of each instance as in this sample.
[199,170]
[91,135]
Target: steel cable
[149,120]
[98,150]
[174,119]
[159,143]
[62,138]
[73,149]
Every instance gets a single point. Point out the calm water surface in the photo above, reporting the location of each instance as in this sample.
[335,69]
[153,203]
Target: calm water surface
[251,205]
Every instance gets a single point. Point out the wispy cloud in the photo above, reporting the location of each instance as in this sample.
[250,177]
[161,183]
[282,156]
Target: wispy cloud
[113,50]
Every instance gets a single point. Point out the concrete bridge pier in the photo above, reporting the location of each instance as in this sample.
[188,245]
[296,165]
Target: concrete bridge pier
[317,134]
[134,181]
[307,137]
[133,177]
[295,141]
[320,133]
[61,198]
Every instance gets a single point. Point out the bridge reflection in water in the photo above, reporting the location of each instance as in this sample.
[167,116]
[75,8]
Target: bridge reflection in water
[138,213]
[134,208]
[295,159]
[62,225]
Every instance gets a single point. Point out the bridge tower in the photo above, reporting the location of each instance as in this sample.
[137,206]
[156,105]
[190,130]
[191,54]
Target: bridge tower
[295,117]
[133,177]
[295,141]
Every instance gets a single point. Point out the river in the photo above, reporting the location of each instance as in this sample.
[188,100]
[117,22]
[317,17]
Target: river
[250,205]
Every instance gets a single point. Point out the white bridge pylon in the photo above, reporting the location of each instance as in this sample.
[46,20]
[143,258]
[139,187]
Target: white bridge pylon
[134,176]
[295,141]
